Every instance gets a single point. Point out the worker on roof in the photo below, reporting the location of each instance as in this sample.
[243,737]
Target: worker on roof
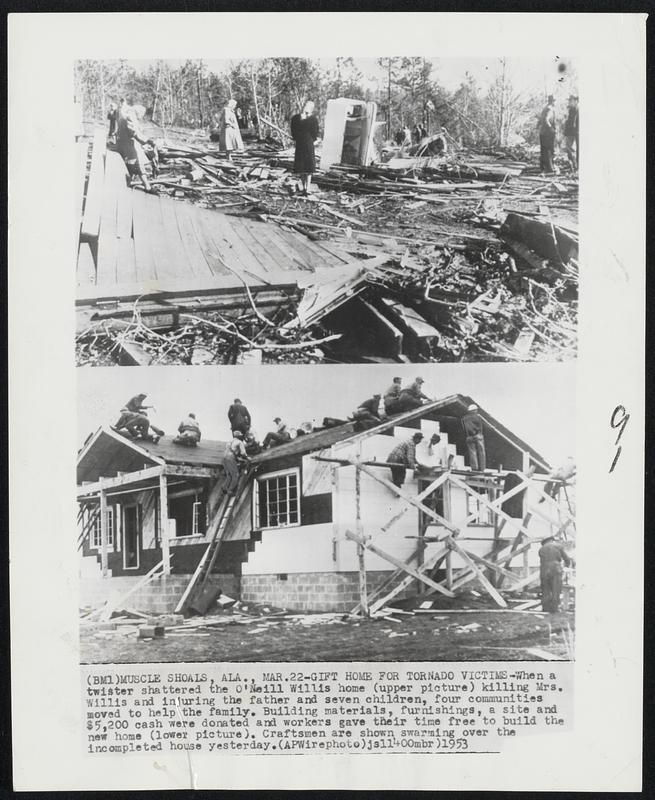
[474,432]
[369,410]
[552,557]
[129,143]
[253,448]
[189,431]
[412,396]
[134,420]
[403,456]
[280,436]
[392,396]
[235,459]
[239,417]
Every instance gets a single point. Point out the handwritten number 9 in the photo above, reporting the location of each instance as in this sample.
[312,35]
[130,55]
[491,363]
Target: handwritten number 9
[619,419]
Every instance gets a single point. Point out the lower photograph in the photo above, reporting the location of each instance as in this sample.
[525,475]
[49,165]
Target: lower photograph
[325,514]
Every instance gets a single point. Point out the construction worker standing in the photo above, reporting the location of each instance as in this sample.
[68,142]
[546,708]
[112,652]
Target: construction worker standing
[403,456]
[236,458]
[239,417]
[547,130]
[473,430]
[551,557]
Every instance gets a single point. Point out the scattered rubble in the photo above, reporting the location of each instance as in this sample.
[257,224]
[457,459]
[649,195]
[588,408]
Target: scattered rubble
[465,256]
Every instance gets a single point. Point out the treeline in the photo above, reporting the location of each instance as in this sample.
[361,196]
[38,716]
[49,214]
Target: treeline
[271,90]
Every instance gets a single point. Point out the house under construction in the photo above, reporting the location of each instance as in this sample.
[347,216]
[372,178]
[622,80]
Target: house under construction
[316,524]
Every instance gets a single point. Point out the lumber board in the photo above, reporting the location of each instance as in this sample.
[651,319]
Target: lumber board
[214,255]
[146,269]
[176,250]
[196,258]
[235,254]
[107,238]
[312,259]
[405,582]
[266,235]
[125,260]
[491,590]
[258,253]
[94,189]
[124,227]
[164,261]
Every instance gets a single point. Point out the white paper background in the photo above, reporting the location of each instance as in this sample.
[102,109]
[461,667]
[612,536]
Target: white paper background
[604,751]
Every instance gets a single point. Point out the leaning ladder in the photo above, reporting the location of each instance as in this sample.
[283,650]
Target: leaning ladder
[203,570]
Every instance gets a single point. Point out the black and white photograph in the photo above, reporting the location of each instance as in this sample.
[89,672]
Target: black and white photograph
[297,210]
[326,400]
[372,517]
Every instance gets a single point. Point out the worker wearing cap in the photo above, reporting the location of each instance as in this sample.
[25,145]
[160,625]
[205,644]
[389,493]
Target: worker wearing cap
[239,417]
[402,457]
[189,431]
[280,436]
[392,396]
[551,558]
[369,410]
[412,396]
[236,457]
[473,430]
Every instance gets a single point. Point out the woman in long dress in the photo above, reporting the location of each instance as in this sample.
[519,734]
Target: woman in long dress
[229,135]
[304,129]
[130,140]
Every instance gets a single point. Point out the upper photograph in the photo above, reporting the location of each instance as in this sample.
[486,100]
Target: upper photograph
[346,210]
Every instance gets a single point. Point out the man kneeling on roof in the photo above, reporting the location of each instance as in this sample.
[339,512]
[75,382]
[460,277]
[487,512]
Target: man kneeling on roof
[402,457]
[392,397]
[368,412]
[235,459]
[280,436]
[412,397]
[134,420]
[189,431]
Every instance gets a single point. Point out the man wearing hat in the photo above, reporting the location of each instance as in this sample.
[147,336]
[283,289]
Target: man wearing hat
[280,436]
[547,129]
[473,430]
[412,396]
[402,457]
[551,557]
[392,396]
[189,431]
[572,133]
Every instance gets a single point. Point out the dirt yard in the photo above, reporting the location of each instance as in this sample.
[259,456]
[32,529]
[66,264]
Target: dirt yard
[475,635]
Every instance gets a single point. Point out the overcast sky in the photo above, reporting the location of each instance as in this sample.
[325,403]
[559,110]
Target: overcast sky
[535,401]
[527,74]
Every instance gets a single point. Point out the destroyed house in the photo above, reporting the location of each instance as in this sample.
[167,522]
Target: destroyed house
[316,524]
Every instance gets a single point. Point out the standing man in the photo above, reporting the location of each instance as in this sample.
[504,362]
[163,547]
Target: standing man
[572,133]
[129,143]
[547,125]
[551,557]
[392,396]
[402,457]
[236,458]
[473,430]
[412,397]
[280,436]
[239,417]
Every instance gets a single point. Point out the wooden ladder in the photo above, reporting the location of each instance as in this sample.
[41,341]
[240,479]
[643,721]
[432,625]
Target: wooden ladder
[200,577]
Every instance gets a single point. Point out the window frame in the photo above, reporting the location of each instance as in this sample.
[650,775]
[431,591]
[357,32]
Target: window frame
[259,481]
[95,538]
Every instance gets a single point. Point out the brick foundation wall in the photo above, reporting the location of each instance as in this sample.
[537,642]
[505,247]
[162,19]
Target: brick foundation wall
[160,596]
[310,591]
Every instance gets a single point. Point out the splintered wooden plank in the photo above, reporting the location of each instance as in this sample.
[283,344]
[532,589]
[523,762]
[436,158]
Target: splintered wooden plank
[146,269]
[80,161]
[195,255]
[176,249]
[309,257]
[94,189]
[211,250]
[86,268]
[164,262]
[265,234]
